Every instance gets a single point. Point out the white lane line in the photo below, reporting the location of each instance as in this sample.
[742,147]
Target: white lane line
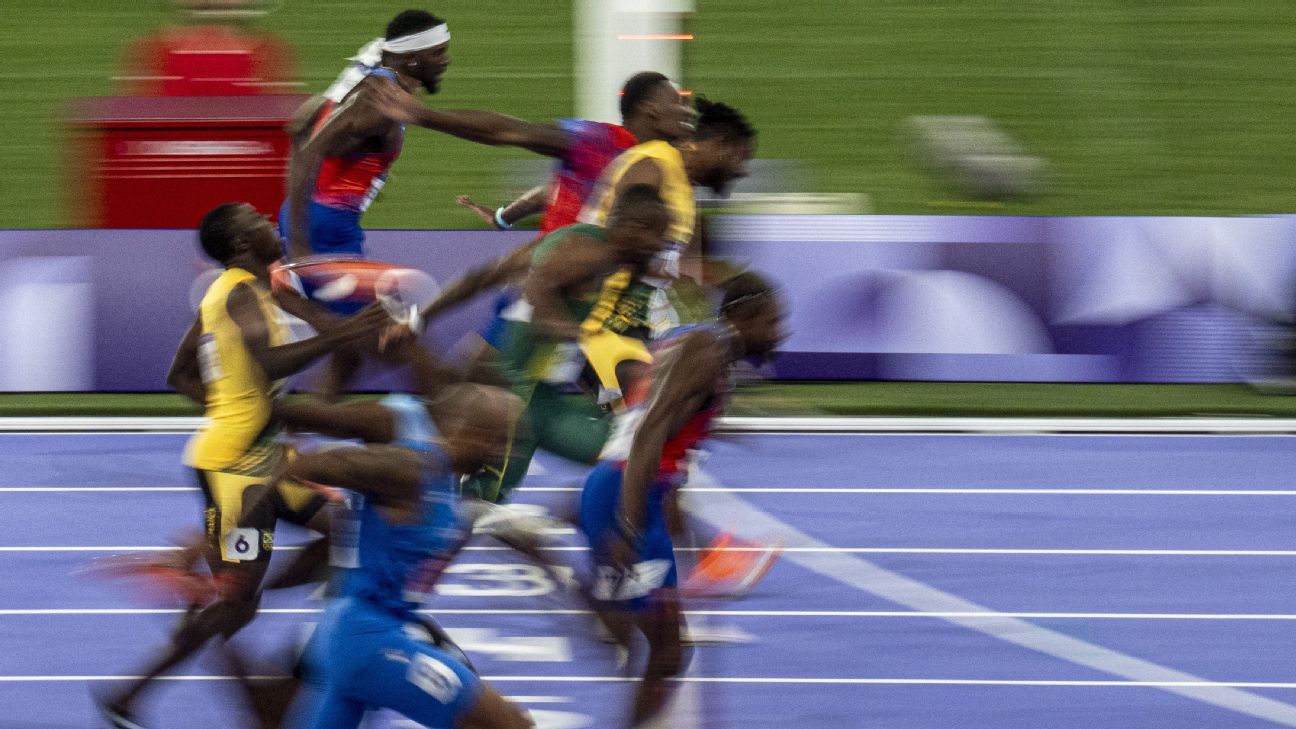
[908,592]
[767,490]
[849,426]
[792,550]
[869,614]
[89,489]
[1203,687]
[166,489]
[992,491]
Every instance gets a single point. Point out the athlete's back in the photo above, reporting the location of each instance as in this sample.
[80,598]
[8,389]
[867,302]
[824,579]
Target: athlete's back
[675,189]
[394,566]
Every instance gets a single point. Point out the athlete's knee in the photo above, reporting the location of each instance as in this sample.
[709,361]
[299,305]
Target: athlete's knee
[666,660]
[493,711]
[229,615]
[224,617]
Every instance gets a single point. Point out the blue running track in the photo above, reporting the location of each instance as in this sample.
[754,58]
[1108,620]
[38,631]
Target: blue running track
[930,581]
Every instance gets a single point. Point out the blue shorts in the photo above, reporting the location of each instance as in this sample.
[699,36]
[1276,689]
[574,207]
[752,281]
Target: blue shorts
[363,657]
[494,331]
[654,568]
[332,230]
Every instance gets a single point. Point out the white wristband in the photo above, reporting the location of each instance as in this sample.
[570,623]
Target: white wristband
[499,219]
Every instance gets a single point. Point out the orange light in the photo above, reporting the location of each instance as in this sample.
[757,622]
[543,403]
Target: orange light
[683,92]
[657,36]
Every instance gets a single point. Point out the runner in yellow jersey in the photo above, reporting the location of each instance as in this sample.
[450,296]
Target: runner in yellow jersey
[715,156]
[233,361]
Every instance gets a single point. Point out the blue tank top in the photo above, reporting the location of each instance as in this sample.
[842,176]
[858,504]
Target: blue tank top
[394,566]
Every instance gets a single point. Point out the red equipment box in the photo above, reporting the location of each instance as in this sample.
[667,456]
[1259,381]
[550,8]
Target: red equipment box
[162,162]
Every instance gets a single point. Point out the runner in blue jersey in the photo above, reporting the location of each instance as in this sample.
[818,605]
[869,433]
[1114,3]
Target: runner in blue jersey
[627,497]
[403,525]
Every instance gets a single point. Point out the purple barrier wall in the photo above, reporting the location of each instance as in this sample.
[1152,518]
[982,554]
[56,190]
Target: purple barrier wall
[1026,299]
[86,310]
[870,297]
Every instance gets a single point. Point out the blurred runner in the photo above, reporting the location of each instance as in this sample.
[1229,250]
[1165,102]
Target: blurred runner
[233,361]
[627,503]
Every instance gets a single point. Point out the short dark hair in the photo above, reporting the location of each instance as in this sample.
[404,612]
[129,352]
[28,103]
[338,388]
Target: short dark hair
[637,89]
[217,231]
[410,22]
[716,119]
[743,292]
[636,197]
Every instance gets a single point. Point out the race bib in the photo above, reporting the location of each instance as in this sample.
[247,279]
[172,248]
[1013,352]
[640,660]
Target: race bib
[243,545]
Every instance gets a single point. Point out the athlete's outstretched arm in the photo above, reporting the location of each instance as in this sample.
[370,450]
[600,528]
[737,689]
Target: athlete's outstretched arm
[388,473]
[578,258]
[185,375]
[351,123]
[531,202]
[369,421]
[308,311]
[483,127]
[286,359]
[686,378]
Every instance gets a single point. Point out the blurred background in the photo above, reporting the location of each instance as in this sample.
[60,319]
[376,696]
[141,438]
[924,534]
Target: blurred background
[935,154]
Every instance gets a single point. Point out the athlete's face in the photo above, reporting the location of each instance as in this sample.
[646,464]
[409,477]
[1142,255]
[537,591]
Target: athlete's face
[428,66]
[763,331]
[483,440]
[640,232]
[671,113]
[259,235]
[722,162]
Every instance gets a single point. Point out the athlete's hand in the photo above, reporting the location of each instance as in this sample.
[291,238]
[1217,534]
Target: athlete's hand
[395,103]
[486,214]
[394,343]
[622,552]
[368,321]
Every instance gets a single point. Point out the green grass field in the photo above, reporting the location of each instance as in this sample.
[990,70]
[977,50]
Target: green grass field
[1140,107]
[871,398]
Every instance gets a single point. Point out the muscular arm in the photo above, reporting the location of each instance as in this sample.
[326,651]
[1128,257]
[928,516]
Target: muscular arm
[389,474]
[531,202]
[496,130]
[687,374]
[643,172]
[185,375]
[286,359]
[483,127]
[351,123]
[308,311]
[576,259]
[369,421]
[299,126]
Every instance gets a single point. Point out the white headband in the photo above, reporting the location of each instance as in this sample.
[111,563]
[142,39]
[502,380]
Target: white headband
[370,56]
[430,38]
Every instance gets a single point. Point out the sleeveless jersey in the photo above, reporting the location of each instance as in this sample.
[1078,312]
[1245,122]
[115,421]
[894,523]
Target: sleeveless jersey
[675,190]
[238,394]
[619,305]
[395,566]
[591,147]
[674,458]
[352,182]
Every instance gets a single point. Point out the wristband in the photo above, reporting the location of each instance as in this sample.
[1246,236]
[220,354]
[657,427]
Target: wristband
[499,219]
[628,530]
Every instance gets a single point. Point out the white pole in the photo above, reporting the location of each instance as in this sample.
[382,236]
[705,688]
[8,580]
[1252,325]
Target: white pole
[616,39]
